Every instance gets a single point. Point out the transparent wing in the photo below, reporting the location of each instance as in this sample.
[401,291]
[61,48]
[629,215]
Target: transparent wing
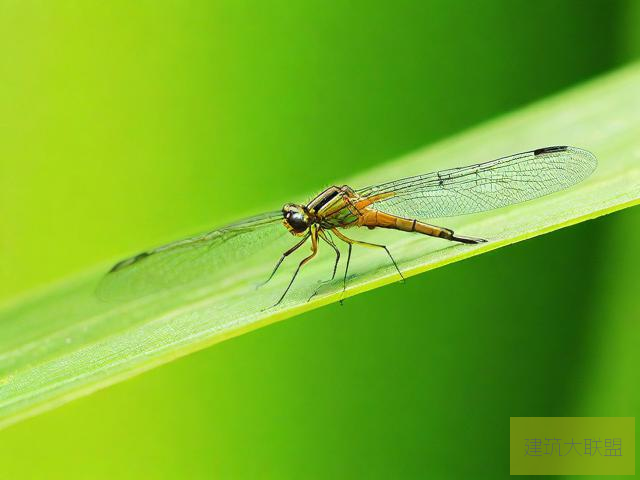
[485,186]
[205,258]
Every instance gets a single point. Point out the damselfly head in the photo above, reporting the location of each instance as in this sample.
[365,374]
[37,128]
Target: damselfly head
[296,218]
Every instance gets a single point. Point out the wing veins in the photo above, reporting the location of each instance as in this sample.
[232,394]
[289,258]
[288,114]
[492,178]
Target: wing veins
[484,186]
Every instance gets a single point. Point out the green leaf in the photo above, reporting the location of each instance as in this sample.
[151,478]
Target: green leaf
[67,341]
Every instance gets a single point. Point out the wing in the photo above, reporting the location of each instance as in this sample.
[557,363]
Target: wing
[485,186]
[203,258]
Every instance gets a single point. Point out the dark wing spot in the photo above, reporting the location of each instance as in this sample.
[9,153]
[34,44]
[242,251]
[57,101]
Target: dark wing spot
[541,151]
[129,261]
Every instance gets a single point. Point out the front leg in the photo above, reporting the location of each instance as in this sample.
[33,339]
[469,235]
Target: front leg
[314,250]
[285,255]
[328,241]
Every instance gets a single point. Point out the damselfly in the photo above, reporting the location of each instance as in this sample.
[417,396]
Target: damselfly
[400,205]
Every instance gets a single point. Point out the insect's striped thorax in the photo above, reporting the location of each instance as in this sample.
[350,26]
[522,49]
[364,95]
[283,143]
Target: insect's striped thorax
[335,207]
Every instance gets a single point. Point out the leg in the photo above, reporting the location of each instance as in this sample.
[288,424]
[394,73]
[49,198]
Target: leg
[351,241]
[285,255]
[346,271]
[324,237]
[329,242]
[344,238]
[314,250]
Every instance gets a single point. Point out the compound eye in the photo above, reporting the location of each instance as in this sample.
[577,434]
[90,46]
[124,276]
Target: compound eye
[297,222]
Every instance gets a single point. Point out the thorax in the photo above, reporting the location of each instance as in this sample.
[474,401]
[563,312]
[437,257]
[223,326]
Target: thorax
[334,207]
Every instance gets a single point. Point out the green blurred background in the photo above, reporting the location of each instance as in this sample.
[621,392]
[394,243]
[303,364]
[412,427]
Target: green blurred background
[125,124]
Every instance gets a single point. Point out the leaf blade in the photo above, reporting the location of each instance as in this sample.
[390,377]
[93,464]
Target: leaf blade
[64,343]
